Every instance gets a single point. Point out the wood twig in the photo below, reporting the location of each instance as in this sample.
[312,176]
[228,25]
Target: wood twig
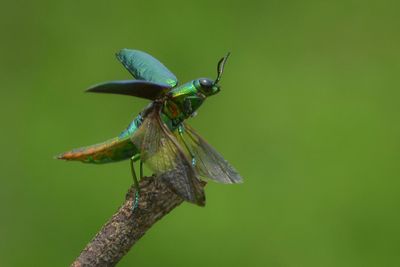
[125,227]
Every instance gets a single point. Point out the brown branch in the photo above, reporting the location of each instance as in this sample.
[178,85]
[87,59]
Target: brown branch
[125,228]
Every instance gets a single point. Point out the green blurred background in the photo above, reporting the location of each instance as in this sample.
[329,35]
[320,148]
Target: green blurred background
[309,115]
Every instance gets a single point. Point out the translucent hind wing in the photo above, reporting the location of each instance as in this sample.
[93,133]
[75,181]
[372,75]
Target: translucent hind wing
[209,163]
[160,151]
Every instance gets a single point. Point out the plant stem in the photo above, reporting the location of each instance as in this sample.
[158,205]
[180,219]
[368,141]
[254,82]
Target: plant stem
[125,228]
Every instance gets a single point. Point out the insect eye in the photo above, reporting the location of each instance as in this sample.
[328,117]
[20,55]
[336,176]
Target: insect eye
[206,83]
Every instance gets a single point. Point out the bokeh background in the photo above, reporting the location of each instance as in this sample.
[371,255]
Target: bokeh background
[309,115]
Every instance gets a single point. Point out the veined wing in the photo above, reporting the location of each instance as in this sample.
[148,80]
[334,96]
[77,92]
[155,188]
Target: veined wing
[145,67]
[138,88]
[162,153]
[209,163]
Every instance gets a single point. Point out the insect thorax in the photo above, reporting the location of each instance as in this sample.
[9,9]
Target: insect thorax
[182,103]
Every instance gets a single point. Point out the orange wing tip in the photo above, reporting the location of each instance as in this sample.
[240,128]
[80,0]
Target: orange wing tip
[68,155]
[59,156]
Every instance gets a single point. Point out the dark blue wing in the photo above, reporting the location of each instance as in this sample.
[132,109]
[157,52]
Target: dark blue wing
[145,67]
[138,88]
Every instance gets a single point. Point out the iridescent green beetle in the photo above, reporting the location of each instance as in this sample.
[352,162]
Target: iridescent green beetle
[159,135]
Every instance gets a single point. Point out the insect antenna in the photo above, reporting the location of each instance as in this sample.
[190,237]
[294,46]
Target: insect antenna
[220,67]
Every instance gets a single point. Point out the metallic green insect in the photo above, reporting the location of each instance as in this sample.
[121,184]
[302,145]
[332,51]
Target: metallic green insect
[159,135]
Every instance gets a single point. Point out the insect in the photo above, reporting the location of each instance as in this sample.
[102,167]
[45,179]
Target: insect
[159,135]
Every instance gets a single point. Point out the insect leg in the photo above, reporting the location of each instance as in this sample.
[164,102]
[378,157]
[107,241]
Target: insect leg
[135,183]
[141,170]
[180,131]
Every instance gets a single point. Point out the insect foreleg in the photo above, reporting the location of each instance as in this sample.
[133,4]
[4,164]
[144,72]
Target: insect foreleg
[181,129]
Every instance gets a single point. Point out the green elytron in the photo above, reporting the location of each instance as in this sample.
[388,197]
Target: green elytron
[159,135]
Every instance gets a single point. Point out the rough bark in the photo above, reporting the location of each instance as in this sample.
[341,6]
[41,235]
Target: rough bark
[125,227]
